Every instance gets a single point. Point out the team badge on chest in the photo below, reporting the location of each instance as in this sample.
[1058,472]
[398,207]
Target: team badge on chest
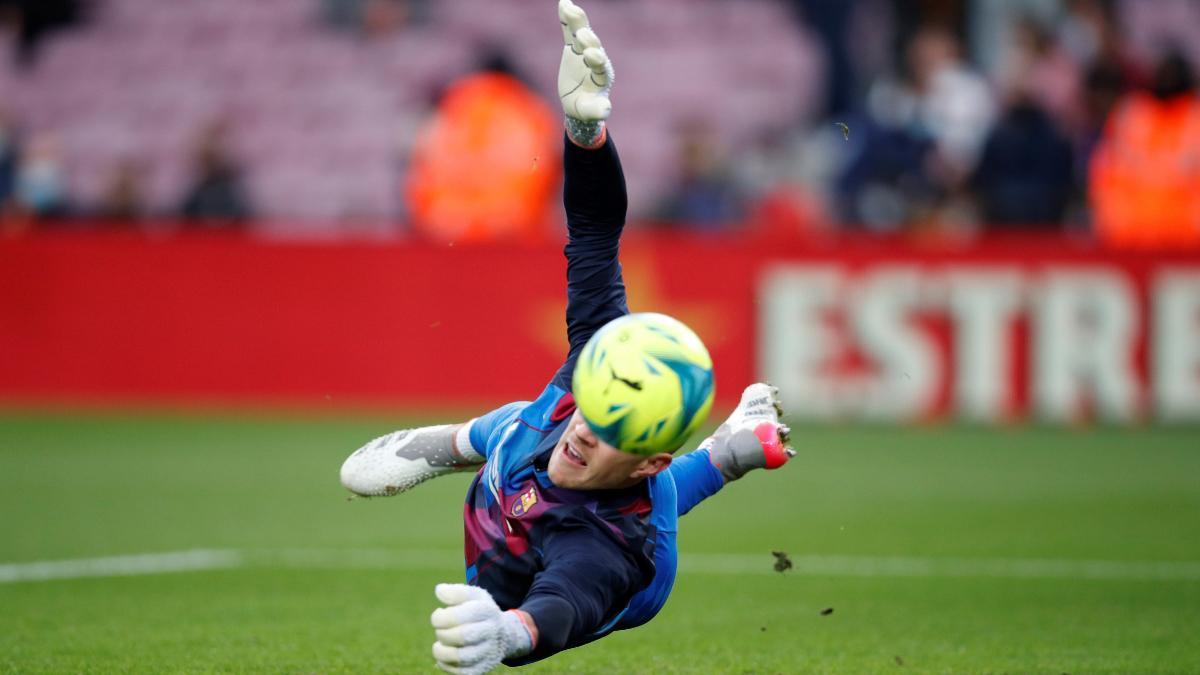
[521,505]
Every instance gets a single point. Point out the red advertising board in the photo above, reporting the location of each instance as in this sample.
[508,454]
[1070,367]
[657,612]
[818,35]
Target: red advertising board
[109,317]
[865,329]
[989,335]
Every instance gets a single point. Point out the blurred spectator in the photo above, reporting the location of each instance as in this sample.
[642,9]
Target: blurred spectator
[994,25]
[375,18]
[41,189]
[885,181]
[1111,45]
[8,161]
[783,179]
[487,162]
[217,196]
[1025,172]
[123,199]
[1145,172]
[1024,175]
[921,137]
[955,105]
[1045,73]
[831,20]
[384,17]
[33,19]
[1084,28]
[913,17]
[1103,86]
[704,196]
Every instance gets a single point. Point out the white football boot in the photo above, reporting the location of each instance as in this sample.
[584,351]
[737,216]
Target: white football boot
[403,459]
[752,437]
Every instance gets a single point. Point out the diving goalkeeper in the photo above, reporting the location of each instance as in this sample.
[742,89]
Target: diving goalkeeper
[568,538]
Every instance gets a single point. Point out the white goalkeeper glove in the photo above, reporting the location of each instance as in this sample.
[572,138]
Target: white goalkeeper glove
[585,74]
[473,634]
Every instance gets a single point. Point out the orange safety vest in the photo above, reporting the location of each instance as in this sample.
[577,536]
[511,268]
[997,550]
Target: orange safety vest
[1144,181]
[486,165]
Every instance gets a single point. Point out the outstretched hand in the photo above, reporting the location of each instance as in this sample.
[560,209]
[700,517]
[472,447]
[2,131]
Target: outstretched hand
[473,634]
[585,74]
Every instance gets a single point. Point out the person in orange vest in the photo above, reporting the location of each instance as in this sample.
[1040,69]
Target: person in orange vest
[486,165]
[1144,180]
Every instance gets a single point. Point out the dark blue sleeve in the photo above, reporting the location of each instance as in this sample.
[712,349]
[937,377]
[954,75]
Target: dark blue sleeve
[595,201]
[587,581]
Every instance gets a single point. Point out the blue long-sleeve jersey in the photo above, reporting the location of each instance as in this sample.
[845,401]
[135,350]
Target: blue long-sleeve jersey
[581,563]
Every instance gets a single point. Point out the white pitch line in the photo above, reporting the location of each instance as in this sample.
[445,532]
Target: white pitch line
[694,563]
[121,566]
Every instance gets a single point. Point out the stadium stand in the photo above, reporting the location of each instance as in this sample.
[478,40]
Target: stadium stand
[324,99]
[320,119]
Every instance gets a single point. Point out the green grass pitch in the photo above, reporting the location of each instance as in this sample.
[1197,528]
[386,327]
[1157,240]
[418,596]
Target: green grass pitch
[939,550]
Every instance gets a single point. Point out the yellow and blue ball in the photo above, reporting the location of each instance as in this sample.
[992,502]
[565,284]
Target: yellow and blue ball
[644,383]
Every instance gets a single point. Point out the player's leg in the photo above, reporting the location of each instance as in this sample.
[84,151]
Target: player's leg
[751,438]
[403,459]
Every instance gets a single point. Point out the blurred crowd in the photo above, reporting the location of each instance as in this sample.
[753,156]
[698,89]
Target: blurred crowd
[937,117]
[1006,114]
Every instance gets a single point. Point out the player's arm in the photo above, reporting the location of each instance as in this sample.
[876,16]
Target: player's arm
[594,194]
[403,459]
[586,583]
[753,437]
[588,579]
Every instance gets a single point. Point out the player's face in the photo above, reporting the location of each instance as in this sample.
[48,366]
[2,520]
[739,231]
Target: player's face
[581,461]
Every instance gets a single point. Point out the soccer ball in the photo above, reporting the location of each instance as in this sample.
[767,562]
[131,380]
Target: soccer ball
[644,383]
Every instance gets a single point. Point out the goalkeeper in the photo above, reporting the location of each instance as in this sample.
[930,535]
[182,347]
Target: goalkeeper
[567,537]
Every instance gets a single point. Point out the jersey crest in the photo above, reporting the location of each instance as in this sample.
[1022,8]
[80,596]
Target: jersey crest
[524,502]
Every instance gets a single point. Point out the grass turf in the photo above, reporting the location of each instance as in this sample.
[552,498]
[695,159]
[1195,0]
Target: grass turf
[97,485]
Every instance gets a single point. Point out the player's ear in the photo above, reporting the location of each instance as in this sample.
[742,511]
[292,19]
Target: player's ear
[652,465]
